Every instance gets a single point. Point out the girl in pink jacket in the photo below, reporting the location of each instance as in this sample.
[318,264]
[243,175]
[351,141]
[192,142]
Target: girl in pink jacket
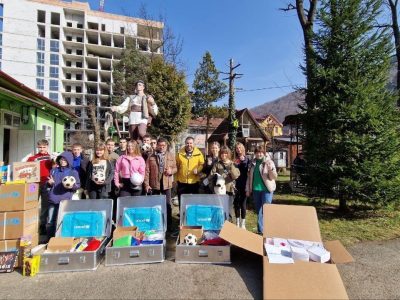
[129,171]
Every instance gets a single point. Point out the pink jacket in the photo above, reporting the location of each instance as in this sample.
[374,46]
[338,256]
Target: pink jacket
[127,165]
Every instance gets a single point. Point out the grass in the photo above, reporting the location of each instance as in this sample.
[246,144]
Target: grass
[359,224]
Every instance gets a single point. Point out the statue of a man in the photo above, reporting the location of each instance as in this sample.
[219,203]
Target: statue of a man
[142,109]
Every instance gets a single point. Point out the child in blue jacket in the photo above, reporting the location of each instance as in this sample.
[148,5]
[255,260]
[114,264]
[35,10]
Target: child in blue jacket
[57,190]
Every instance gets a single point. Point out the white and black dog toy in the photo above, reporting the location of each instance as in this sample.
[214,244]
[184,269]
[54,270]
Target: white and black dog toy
[68,182]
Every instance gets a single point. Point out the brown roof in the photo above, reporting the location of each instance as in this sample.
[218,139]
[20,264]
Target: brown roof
[8,83]
[202,122]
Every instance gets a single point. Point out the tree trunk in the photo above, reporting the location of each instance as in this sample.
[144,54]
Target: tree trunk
[396,35]
[342,204]
[95,124]
[207,128]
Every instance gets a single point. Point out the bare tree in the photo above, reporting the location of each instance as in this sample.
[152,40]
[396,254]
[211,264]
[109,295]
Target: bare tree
[92,108]
[396,34]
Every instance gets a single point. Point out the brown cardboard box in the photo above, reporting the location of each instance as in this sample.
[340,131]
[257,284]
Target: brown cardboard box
[15,197]
[120,232]
[28,171]
[60,244]
[185,230]
[15,224]
[12,245]
[301,280]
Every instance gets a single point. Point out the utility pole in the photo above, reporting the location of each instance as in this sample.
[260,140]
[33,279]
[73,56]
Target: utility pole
[233,122]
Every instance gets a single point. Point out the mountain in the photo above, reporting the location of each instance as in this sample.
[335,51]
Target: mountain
[281,107]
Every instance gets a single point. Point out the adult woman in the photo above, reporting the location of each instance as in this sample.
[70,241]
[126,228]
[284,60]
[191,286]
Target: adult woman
[208,165]
[242,162]
[129,171]
[226,168]
[261,183]
[100,173]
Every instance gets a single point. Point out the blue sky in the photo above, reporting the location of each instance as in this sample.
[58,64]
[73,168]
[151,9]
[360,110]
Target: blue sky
[266,42]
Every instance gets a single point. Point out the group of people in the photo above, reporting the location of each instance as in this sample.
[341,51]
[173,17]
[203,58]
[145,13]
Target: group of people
[149,167]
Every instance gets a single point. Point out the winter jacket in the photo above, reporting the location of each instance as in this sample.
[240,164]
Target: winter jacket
[153,176]
[209,163]
[57,191]
[228,171]
[127,165]
[186,165]
[243,166]
[106,187]
[45,165]
[268,175]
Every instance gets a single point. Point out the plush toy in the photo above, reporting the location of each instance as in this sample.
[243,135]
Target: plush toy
[78,194]
[219,186]
[137,179]
[68,182]
[190,240]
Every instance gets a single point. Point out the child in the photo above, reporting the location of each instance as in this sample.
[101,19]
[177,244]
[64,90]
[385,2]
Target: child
[100,173]
[57,190]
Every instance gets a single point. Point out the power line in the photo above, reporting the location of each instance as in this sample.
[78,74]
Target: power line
[240,90]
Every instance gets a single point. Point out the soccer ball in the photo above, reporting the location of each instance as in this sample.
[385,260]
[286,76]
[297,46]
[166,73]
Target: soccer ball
[137,179]
[145,148]
[190,239]
[68,182]
[99,178]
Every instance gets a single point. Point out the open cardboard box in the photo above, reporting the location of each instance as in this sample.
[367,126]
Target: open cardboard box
[301,280]
[185,230]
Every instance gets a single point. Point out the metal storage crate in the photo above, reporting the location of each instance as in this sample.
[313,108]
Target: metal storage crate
[78,261]
[203,253]
[142,254]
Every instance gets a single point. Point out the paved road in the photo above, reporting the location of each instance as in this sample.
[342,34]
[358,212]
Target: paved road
[374,275]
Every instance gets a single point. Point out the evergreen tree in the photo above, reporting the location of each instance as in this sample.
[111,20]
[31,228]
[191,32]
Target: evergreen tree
[170,91]
[351,134]
[207,89]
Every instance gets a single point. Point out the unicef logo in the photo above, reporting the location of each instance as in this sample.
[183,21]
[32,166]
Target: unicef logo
[11,222]
[15,194]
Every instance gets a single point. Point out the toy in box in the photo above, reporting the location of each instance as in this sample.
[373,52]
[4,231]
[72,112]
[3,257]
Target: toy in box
[143,218]
[206,214]
[80,224]
[7,261]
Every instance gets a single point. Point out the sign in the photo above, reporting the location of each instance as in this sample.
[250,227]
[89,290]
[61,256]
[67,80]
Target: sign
[27,171]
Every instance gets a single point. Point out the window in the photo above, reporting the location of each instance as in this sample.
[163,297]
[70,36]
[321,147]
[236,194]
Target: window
[69,51]
[16,121]
[78,112]
[40,57]
[54,46]
[80,26]
[69,24]
[68,101]
[53,96]
[54,72]
[55,18]
[41,31]
[48,135]
[39,84]
[40,71]
[68,89]
[54,59]
[68,64]
[41,44]
[78,64]
[122,30]
[103,27]
[78,89]
[1,39]
[78,101]
[1,10]
[41,16]
[53,85]
[1,24]
[68,75]
[79,39]
[69,38]
[79,52]
[78,76]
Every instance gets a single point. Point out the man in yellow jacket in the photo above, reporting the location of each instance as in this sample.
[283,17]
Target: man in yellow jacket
[189,162]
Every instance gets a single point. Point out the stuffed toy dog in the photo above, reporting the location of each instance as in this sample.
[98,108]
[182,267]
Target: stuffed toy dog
[219,185]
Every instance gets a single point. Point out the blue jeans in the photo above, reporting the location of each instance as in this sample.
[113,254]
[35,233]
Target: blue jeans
[52,220]
[260,198]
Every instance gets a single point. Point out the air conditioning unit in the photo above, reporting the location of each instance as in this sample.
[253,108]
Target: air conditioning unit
[246,132]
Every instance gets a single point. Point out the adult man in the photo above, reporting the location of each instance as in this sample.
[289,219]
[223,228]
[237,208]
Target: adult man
[160,168]
[44,158]
[189,162]
[122,146]
[142,108]
[80,162]
[112,156]
[153,143]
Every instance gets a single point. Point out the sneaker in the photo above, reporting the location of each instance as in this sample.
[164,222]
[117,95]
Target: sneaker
[243,224]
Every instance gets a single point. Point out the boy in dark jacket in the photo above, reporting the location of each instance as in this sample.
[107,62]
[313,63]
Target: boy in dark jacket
[57,190]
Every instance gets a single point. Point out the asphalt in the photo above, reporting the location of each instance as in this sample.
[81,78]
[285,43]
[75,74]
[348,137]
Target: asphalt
[375,274]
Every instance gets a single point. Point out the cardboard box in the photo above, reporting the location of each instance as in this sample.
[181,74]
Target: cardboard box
[28,171]
[61,244]
[120,232]
[300,280]
[13,245]
[185,230]
[15,224]
[15,197]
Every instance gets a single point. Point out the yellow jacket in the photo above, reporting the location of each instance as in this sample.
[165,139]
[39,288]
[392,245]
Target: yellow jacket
[187,165]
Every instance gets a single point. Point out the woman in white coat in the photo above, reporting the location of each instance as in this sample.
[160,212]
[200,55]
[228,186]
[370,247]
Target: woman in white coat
[261,183]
